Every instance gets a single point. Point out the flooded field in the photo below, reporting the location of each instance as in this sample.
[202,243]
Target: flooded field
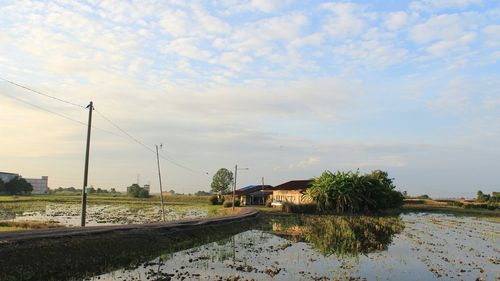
[68,214]
[408,247]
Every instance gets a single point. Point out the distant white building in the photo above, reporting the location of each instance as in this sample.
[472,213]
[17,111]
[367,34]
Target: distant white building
[6,177]
[40,186]
[146,187]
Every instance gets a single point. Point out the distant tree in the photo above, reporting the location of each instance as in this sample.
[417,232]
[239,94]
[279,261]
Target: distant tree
[221,181]
[495,197]
[113,191]
[136,191]
[18,185]
[91,190]
[481,197]
[172,191]
[202,193]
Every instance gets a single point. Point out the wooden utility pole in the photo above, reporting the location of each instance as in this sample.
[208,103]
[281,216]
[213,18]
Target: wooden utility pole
[161,188]
[234,185]
[235,176]
[86,171]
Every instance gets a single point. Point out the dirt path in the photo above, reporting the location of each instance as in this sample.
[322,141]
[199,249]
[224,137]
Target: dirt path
[52,233]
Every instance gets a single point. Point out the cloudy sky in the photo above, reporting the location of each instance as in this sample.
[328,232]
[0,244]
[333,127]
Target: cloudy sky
[286,88]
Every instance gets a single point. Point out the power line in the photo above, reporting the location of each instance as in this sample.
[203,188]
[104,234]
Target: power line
[123,131]
[60,114]
[169,159]
[40,93]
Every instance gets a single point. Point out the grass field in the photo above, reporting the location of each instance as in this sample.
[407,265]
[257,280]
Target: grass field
[444,206]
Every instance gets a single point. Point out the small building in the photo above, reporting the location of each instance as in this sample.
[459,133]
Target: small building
[147,187]
[291,191]
[254,194]
[40,186]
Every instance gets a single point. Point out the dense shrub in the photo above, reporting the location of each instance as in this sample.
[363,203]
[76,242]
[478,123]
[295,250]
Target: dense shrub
[455,203]
[351,192]
[487,206]
[214,200]
[229,203]
[136,191]
[310,208]
[414,201]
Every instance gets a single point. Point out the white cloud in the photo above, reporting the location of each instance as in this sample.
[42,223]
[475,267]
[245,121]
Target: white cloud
[444,47]
[396,20]
[174,22]
[429,5]
[187,47]
[345,19]
[266,6]
[311,161]
[492,35]
[441,27]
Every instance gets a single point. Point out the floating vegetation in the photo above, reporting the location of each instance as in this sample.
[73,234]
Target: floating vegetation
[420,246]
[68,214]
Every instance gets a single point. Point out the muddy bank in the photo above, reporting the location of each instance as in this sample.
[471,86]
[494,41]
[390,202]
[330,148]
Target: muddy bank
[76,253]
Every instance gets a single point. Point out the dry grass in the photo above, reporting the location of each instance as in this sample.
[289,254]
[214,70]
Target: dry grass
[17,225]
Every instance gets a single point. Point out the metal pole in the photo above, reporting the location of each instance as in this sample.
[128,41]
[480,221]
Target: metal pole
[161,188]
[86,171]
[234,186]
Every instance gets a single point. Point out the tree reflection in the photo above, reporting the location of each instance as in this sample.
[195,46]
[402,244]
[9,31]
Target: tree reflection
[341,235]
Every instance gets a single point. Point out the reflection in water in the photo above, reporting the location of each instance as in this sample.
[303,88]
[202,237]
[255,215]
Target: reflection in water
[341,235]
[428,247]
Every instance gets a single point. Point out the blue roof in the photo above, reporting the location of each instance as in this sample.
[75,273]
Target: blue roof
[247,187]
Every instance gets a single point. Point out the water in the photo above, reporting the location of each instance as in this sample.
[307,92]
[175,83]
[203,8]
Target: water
[409,247]
[69,214]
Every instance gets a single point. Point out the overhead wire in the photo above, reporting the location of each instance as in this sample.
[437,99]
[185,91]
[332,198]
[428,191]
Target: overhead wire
[169,159]
[136,140]
[40,93]
[60,114]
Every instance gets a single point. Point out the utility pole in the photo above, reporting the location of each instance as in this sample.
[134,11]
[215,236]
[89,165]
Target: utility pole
[235,176]
[86,171]
[159,177]
[234,185]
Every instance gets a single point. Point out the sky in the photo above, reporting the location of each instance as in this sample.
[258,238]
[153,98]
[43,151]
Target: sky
[284,88]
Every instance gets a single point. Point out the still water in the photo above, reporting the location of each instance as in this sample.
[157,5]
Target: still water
[409,247]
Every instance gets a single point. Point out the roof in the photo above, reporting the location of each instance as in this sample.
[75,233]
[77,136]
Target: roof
[5,173]
[252,188]
[294,185]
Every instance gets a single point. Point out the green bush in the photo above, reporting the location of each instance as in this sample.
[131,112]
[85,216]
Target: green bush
[229,203]
[455,203]
[487,206]
[310,208]
[136,191]
[214,200]
[414,201]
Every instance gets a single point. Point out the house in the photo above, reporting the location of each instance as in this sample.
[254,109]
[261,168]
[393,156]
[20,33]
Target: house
[254,194]
[291,191]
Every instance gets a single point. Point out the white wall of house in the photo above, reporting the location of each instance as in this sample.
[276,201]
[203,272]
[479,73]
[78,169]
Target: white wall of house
[40,186]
